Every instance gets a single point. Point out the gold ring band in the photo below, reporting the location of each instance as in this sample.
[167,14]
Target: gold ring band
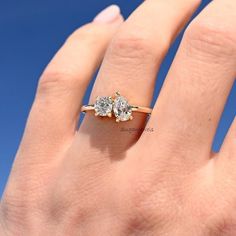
[146,110]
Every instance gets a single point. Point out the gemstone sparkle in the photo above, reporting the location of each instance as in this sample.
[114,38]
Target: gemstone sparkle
[121,108]
[103,106]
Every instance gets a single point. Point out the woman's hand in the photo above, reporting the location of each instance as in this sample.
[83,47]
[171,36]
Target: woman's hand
[104,181]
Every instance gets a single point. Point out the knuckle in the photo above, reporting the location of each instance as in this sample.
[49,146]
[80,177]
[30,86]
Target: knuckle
[52,83]
[133,45]
[13,211]
[57,78]
[209,37]
[145,199]
[53,79]
[58,81]
[222,223]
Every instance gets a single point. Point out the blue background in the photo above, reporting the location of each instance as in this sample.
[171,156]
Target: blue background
[30,34]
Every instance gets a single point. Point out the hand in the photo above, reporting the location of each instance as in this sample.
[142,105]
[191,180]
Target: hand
[102,180]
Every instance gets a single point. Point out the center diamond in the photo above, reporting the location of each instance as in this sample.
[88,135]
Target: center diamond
[122,109]
[103,106]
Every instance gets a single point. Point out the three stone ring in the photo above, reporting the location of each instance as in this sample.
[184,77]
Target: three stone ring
[117,106]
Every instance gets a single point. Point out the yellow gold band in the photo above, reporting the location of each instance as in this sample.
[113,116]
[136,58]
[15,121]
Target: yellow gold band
[140,109]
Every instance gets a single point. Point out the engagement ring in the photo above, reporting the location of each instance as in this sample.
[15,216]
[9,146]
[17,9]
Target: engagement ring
[116,106]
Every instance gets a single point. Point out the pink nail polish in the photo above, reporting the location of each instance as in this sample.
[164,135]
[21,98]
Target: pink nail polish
[108,15]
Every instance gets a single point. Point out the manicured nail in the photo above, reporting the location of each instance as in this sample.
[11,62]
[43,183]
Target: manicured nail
[108,15]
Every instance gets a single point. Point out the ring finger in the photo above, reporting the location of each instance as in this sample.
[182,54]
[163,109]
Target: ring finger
[131,64]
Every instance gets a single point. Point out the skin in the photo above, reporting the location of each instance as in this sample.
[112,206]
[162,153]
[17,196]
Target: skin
[97,180]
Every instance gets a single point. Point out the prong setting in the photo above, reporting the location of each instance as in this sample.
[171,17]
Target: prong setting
[103,106]
[117,94]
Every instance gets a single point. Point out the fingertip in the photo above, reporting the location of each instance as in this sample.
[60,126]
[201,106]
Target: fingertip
[111,14]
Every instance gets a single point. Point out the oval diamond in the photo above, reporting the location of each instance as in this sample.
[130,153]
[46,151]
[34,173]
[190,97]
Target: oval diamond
[103,106]
[121,108]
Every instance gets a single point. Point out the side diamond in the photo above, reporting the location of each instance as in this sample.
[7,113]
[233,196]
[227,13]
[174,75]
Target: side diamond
[103,106]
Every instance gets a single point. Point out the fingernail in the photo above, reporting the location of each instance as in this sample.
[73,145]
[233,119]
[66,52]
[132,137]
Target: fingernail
[108,15]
